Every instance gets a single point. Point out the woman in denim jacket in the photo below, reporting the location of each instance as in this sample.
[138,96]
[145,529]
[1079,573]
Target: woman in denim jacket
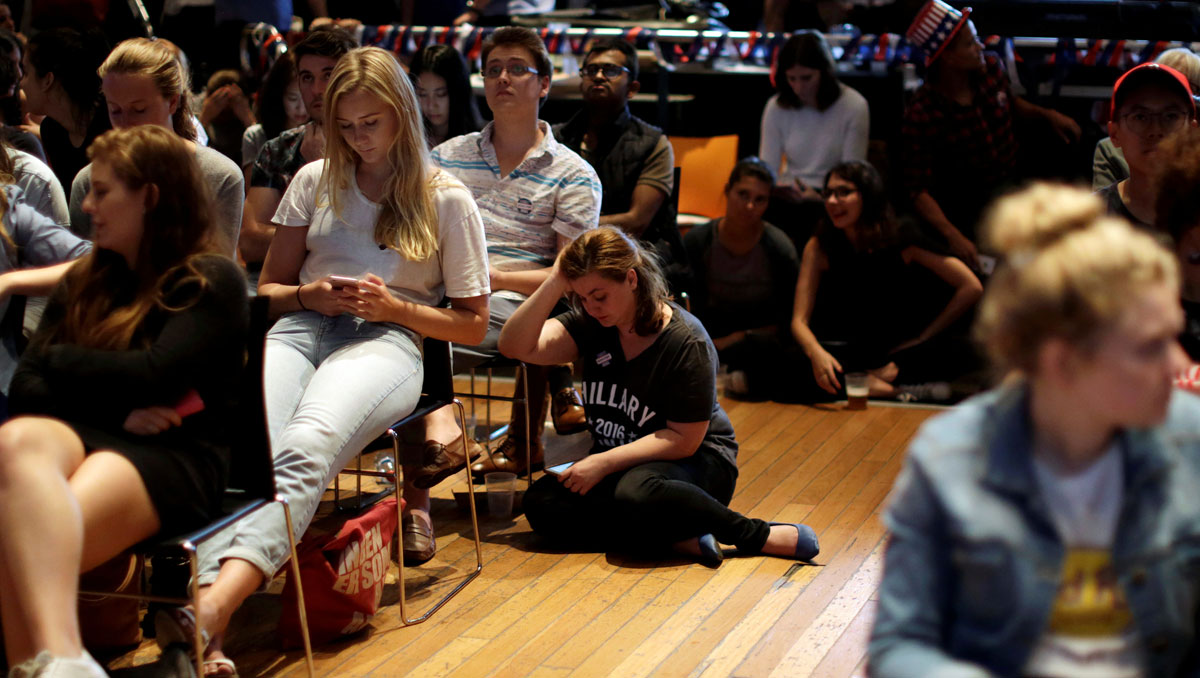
[1051,527]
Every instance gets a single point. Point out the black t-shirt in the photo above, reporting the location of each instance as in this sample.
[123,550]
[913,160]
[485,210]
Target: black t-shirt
[65,158]
[674,379]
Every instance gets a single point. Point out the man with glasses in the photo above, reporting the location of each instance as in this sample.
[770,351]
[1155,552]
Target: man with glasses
[634,159]
[1149,103]
[535,195]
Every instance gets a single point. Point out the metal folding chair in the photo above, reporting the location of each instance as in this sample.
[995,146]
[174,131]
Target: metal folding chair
[437,391]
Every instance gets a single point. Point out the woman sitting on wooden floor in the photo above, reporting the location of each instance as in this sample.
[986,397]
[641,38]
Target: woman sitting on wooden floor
[664,460]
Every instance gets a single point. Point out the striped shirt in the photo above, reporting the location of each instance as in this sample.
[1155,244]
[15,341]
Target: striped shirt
[553,191]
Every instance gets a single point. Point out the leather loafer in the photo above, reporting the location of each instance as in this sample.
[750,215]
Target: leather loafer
[566,410]
[442,461]
[509,456]
[419,544]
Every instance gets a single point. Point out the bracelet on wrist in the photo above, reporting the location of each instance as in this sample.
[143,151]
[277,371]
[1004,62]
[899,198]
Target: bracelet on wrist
[299,300]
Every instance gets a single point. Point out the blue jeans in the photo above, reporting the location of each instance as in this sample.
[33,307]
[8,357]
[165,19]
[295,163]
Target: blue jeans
[332,385]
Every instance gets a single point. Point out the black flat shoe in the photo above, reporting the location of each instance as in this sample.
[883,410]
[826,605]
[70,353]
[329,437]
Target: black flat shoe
[711,554]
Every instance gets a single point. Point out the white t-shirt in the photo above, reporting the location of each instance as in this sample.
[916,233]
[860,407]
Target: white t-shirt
[1091,631]
[345,244]
[810,142]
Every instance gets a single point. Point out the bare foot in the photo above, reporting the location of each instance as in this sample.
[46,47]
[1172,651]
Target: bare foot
[878,388]
[887,373]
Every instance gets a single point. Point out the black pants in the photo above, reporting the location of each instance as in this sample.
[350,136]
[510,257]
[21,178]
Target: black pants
[647,507]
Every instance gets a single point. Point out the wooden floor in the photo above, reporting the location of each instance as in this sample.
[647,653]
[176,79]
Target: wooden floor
[537,612]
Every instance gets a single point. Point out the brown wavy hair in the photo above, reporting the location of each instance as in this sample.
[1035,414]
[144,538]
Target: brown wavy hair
[102,311]
[1177,205]
[610,253]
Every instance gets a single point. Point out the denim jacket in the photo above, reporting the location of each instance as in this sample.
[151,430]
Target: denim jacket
[974,562]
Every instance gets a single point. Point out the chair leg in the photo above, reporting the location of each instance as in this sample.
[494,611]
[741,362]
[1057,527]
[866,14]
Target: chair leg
[198,646]
[295,574]
[528,426]
[404,618]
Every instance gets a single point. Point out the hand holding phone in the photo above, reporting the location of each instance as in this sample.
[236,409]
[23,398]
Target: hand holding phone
[557,470]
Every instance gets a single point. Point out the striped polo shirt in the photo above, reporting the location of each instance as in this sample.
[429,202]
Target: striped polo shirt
[553,191]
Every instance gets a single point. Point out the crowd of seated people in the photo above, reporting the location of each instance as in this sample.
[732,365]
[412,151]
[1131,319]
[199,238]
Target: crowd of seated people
[355,163]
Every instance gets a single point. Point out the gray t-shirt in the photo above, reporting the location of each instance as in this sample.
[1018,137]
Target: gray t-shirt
[225,182]
[738,281]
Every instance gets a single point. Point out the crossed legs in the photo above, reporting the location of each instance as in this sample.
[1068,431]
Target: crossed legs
[61,513]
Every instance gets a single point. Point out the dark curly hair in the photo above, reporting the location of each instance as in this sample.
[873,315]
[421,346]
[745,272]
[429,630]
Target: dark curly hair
[876,227]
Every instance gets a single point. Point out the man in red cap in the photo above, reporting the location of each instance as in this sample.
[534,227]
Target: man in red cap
[1149,103]
[957,141]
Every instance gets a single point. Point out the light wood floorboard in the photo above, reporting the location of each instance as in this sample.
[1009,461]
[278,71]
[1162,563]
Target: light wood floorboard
[540,612]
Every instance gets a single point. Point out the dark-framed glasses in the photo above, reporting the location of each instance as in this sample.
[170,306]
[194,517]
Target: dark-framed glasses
[514,71]
[610,71]
[841,192]
[1144,122]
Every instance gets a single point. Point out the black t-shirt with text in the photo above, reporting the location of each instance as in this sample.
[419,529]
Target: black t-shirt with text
[674,379]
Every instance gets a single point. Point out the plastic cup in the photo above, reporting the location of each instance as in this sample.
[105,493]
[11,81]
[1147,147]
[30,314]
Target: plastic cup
[501,485]
[856,390]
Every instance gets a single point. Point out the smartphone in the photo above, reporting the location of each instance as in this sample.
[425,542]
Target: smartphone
[340,281]
[558,469]
[189,404]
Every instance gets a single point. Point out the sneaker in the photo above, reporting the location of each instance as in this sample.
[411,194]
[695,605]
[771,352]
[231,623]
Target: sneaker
[934,391]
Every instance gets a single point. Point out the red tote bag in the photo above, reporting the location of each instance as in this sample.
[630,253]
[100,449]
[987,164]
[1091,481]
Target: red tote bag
[343,577]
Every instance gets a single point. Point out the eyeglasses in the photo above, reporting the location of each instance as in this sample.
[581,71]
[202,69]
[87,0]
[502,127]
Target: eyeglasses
[841,192]
[514,71]
[610,71]
[1143,122]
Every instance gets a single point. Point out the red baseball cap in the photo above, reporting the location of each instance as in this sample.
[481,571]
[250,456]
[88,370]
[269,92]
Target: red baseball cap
[1150,74]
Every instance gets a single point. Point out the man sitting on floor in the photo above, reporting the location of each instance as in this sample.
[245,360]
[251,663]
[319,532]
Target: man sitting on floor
[957,134]
[1149,103]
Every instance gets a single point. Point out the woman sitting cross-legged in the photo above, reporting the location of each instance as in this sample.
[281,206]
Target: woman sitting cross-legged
[151,321]
[866,302]
[344,360]
[664,460]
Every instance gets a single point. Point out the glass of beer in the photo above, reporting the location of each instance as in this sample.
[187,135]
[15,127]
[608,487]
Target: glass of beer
[856,390]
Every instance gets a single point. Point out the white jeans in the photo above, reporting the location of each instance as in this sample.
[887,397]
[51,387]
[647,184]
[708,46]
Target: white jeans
[332,385]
